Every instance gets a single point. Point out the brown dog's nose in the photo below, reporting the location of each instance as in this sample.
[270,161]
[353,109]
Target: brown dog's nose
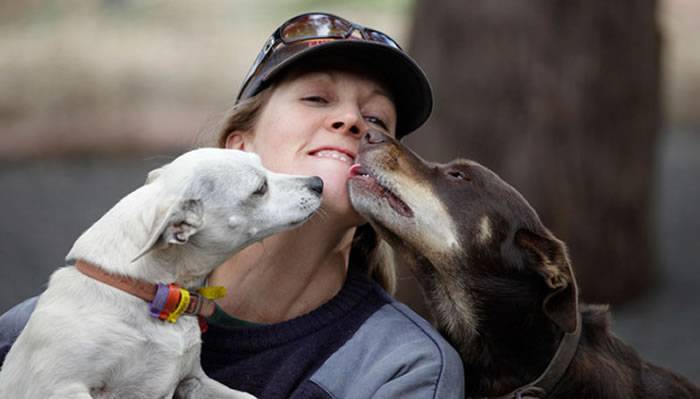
[375,137]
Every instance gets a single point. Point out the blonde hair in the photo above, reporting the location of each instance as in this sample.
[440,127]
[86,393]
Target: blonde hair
[367,251]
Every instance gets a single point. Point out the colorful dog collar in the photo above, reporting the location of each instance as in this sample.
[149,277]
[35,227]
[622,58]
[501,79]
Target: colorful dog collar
[167,302]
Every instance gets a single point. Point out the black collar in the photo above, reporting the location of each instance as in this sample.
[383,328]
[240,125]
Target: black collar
[547,381]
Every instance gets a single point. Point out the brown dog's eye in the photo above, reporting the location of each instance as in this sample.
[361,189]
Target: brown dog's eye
[456,174]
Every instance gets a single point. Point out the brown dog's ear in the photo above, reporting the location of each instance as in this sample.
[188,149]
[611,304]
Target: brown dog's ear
[552,263]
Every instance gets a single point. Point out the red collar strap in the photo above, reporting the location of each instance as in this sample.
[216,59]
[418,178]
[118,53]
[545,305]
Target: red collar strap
[167,302]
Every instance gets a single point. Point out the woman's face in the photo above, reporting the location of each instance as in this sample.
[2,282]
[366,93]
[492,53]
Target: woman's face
[312,125]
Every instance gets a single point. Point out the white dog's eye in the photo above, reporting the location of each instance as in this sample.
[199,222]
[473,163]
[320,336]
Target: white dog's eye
[262,189]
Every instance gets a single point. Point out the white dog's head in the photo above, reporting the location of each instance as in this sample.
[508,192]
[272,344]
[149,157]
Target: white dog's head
[219,201]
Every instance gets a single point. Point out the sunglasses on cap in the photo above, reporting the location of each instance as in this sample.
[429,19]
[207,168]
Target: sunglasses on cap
[315,26]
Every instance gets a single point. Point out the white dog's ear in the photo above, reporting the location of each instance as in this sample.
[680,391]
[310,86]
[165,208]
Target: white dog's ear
[174,226]
[152,175]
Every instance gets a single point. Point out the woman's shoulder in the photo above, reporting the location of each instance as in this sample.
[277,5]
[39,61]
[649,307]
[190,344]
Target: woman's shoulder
[395,353]
[12,323]
[400,326]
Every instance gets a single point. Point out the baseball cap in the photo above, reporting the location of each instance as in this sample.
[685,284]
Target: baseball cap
[307,38]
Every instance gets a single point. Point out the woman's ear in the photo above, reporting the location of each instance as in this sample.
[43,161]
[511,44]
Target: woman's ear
[236,140]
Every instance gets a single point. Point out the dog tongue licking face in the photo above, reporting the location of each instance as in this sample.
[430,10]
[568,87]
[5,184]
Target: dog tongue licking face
[356,170]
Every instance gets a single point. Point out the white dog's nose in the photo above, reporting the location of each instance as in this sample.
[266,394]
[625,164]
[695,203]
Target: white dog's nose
[316,184]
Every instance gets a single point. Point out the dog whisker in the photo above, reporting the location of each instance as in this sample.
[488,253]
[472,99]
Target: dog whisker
[322,213]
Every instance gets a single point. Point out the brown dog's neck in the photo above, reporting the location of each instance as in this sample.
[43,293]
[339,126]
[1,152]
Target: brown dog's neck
[514,340]
[496,363]
[502,349]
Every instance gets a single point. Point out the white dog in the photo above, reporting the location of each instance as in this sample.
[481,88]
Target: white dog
[87,339]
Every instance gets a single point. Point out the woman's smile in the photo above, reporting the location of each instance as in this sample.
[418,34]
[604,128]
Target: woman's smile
[345,156]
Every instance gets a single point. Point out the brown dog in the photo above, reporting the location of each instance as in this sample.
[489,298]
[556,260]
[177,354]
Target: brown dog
[499,284]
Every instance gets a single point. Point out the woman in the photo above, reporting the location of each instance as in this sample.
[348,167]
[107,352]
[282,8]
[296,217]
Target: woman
[303,318]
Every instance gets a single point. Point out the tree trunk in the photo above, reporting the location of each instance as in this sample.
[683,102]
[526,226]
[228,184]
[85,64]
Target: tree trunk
[561,98]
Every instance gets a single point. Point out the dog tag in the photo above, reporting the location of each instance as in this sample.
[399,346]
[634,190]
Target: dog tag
[213,292]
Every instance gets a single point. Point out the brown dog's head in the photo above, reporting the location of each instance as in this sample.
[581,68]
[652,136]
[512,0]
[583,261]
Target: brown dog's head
[462,222]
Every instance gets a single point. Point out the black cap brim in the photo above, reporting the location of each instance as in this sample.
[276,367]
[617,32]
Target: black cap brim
[407,82]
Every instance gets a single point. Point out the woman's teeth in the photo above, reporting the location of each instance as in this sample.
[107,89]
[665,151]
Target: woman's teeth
[335,155]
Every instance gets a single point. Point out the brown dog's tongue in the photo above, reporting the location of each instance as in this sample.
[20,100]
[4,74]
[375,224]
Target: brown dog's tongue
[356,169]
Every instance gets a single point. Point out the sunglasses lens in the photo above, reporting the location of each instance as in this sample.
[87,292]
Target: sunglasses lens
[315,26]
[382,38]
[312,26]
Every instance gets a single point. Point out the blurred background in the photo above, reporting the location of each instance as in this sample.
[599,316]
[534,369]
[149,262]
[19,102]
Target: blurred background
[589,108]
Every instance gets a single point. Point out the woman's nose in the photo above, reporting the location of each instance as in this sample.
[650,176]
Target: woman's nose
[349,123]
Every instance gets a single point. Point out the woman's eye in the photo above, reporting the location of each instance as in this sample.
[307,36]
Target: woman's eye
[376,121]
[262,188]
[316,99]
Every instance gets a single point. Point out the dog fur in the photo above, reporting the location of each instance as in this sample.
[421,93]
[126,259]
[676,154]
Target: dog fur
[86,339]
[499,284]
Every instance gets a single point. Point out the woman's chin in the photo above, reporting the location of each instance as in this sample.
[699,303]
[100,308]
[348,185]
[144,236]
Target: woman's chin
[336,206]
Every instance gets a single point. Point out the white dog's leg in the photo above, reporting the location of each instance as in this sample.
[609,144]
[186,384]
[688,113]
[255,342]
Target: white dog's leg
[203,387]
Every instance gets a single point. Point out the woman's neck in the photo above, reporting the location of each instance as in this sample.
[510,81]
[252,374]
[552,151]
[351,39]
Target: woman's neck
[286,275]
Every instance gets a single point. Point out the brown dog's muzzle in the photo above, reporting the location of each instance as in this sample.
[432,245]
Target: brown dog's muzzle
[391,186]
